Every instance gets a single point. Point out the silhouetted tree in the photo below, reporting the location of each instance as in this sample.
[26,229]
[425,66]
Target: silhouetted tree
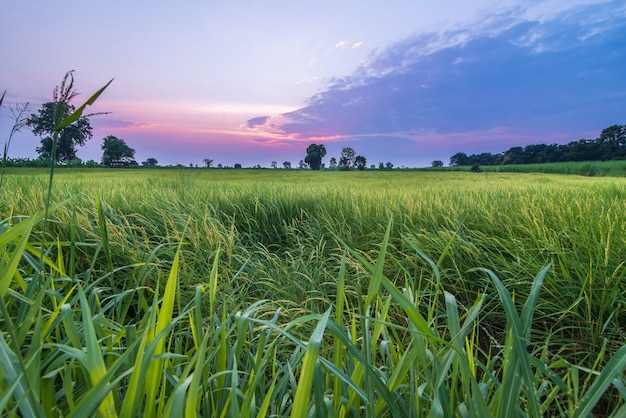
[460,158]
[116,151]
[286,165]
[437,163]
[360,162]
[314,155]
[208,163]
[51,115]
[150,162]
[346,161]
[333,162]
[274,165]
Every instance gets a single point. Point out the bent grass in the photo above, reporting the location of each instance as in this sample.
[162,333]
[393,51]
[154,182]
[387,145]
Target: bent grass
[64,352]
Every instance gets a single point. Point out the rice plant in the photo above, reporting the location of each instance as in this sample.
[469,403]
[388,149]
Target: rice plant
[264,294]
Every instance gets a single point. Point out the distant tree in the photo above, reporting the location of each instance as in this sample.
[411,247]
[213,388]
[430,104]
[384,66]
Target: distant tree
[274,165]
[381,166]
[220,165]
[237,165]
[75,163]
[475,168]
[314,155]
[286,165]
[51,115]
[346,161]
[150,162]
[360,162]
[302,165]
[333,162]
[460,158]
[208,163]
[611,142]
[373,166]
[437,163]
[116,151]
[389,166]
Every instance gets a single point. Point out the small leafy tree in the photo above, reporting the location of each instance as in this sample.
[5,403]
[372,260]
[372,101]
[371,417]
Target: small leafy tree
[360,162]
[314,155]
[208,163]
[302,165]
[60,125]
[286,165]
[116,151]
[274,165]
[460,158]
[333,162]
[150,162]
[346,161]
[389,166]
[437,163]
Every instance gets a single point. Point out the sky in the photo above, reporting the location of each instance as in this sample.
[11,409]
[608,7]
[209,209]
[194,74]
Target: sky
[251,82]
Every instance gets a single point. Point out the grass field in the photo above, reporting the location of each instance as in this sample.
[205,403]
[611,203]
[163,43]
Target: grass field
[289,292]
[614,168]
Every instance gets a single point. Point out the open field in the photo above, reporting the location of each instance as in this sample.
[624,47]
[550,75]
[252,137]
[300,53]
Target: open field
[287,292]
[614,168]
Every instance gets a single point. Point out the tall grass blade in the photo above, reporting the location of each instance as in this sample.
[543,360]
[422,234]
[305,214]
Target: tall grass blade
[17,381]
[516,347]
[155,371]
[79,112]
[611,370]
[303,393]
[95,363]
[378,271]
[104,236]
[19,235]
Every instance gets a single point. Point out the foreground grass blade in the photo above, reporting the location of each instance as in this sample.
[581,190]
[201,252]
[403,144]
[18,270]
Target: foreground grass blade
[95,363]
[303,393]
[516,347]
[18,234]
[612,369]
[17,381]
[155,371]
[79,112]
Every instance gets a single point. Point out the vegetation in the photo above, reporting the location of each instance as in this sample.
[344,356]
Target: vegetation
[115,152]
[610,145]
[615,168]
[314,155]
[45,122]
[356,294]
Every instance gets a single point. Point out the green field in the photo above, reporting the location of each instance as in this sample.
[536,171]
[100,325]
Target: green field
[194,292]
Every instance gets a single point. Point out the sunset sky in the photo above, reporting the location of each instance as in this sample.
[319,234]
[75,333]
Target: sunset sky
[251,82]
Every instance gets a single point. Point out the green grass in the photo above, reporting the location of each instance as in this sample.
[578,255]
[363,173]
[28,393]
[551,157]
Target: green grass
[614,168]
[286,292]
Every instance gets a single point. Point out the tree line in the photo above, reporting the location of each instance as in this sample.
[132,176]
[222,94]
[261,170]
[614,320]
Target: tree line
[609,145]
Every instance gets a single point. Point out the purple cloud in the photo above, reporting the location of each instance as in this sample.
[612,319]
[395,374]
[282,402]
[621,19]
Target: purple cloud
[536,77]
